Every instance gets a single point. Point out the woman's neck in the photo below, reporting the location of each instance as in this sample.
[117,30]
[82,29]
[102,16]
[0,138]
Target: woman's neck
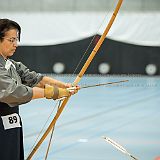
[5,58]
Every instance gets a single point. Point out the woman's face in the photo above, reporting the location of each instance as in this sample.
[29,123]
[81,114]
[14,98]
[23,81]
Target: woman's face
[9,43]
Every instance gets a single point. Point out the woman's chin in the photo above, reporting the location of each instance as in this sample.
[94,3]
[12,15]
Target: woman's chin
[11,53]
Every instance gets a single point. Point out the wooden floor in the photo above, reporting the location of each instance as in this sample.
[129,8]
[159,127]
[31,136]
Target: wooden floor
[128,113]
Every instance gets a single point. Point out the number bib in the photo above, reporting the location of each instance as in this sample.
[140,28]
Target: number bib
[11,121]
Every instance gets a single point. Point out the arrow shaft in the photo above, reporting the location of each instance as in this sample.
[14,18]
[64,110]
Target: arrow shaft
[103,84]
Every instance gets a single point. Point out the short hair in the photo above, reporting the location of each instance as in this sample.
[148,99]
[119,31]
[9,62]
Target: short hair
[6,25]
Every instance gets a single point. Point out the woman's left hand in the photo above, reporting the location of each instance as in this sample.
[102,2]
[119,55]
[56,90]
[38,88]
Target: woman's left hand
[72,89]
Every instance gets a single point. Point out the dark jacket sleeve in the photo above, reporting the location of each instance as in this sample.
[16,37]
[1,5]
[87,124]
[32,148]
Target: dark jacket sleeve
[12,92]
[29,78]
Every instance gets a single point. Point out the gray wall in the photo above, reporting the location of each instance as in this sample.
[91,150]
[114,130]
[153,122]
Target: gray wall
[76,5]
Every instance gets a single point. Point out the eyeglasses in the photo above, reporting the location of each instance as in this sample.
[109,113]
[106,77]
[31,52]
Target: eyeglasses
[12,40]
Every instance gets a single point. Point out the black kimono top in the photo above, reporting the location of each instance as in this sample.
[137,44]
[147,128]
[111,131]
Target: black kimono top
[16,82]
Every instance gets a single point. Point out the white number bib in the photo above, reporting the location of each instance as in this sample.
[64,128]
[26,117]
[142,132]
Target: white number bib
[11,121]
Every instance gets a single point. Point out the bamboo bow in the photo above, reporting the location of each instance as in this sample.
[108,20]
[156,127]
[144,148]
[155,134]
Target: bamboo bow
[78,78]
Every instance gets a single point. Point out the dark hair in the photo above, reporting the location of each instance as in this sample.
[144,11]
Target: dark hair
[6,25]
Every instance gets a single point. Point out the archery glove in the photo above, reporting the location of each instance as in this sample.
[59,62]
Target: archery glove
[54,92]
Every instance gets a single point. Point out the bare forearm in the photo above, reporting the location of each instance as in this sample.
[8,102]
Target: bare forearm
[51,81]
[38,93]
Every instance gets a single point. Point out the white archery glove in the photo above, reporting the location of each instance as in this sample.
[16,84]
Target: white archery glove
[54,92]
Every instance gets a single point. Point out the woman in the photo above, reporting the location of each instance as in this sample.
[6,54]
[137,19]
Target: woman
[18,85]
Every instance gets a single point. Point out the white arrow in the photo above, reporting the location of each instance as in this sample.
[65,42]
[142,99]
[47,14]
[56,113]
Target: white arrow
[118,146]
